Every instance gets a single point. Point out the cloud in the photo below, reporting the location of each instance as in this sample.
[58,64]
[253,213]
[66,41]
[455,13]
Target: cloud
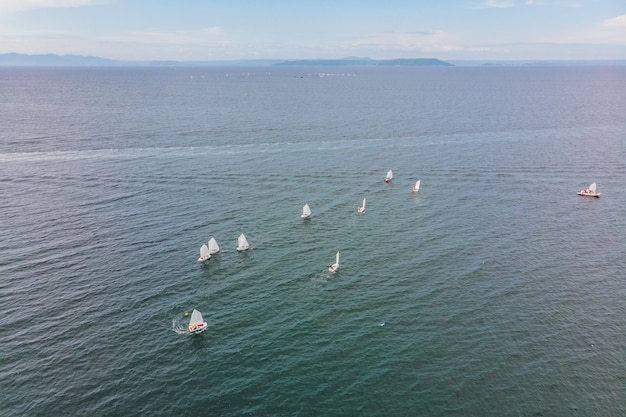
[197,36]
[14,6]
[608,32]
[555,3]
[431,42]
[499,4]
[618,22]
[612,31]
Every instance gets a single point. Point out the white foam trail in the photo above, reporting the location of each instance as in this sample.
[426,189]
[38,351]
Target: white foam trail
[178,328]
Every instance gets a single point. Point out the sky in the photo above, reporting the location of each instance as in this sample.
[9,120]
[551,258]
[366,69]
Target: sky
[210,30]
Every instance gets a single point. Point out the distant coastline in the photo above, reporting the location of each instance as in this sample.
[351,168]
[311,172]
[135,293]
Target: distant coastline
[53,60]
[361,62]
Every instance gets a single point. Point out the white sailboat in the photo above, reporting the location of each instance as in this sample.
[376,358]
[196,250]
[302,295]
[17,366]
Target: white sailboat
[590,191]
[242,243]
[389,176]
[416,187]
[334,267]
[306,211]
[204,253]
[196,323]
[362,208]
[213,246]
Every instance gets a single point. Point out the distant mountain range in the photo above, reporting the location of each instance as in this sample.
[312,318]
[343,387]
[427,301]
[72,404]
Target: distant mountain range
[14,59]
[52,60]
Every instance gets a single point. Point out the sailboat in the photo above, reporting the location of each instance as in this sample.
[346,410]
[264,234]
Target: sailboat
[196,323]
[204,253]
[416,188]
[362,208]
[590,191]
[334,267]
[389,176]
[242,243]
[306,211]
[213,246]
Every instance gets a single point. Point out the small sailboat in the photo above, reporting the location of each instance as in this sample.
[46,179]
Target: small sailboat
[306,212]
[590,191]
[416,187]
[204,253]
[196,323]
[213,246]
[389,176]
[242,243]
[334,267]
[362,208]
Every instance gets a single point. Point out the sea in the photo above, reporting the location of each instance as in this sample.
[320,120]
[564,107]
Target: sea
[495,290]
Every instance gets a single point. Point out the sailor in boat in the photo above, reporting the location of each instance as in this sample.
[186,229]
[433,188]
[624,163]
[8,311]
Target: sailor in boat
[334,267]
[196,327]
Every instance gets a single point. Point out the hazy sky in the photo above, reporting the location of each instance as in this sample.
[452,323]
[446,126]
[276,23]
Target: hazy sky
[303,29]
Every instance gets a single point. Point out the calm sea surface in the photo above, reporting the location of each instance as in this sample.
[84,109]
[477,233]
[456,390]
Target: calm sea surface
[494,291]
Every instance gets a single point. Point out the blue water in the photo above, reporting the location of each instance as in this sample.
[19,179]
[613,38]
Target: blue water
[494,291]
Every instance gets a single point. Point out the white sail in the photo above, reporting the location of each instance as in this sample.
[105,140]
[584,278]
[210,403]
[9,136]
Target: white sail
[362,208]
[592,187]
[417,185]
[213,246]
[242,243]
[204,253]
[389,175]
[306,211]
[196,318]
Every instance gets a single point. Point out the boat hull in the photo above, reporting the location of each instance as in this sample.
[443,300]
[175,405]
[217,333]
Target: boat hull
[588,194]
[197,328]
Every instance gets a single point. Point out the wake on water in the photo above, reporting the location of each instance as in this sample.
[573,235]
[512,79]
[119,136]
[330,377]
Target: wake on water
[178,327]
